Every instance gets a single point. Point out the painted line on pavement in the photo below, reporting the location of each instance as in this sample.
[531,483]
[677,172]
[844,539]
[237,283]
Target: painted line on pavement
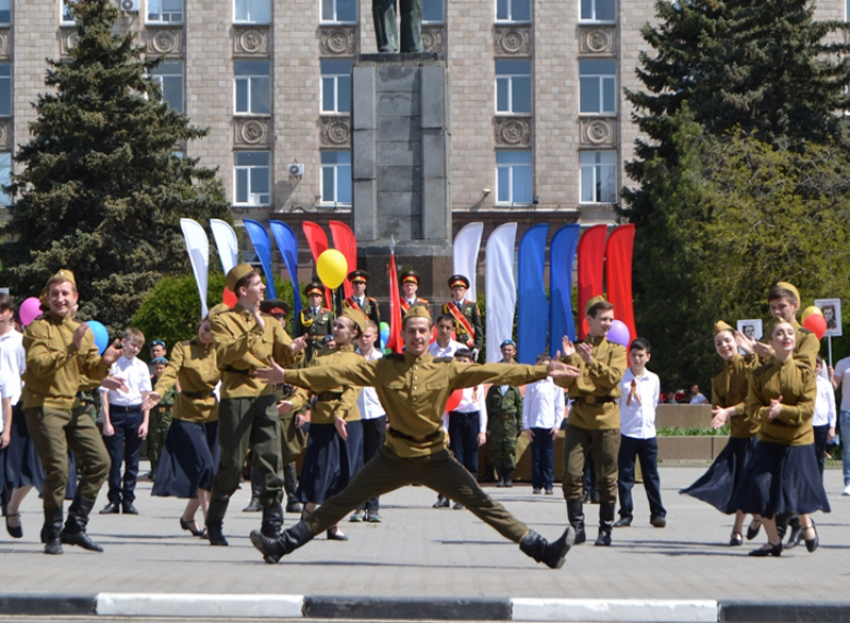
[200,605]
[616,610]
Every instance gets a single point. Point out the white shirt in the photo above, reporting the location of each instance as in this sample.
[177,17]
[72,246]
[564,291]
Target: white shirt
[543,405]
[637,418]
[13,362]
[134,372]
[824,403]
[448,351]
[472,401]
[368,403]
[841,374]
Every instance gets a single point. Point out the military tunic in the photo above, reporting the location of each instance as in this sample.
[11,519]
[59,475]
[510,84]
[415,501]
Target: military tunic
[806,348]
[469,309]
[504,422]
[315,325]
[729,387]
[795,383]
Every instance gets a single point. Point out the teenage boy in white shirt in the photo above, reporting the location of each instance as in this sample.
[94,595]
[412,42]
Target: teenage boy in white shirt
[542,414]
[639,398]
[444,345]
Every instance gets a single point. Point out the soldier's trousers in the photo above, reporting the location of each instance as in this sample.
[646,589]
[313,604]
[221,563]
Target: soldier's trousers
[158,425]
[603,449]
[387,472]
[293,439]
[249,422]
[503,444]
[52,432]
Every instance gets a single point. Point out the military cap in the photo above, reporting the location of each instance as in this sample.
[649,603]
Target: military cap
[787,286]
[64,275]
[458,280]
[410,276]
[507,343]
[156,343]
[235,274]
[592,302]
[720,327]
[156,361]
[358,275]
[314,288]
[357,316]
[464,352]
[274,307]
[417,311]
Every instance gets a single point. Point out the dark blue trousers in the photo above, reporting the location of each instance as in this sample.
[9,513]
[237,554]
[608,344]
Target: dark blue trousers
[821,433]
[125,446]
[542,459]
[463,439]
[646,450]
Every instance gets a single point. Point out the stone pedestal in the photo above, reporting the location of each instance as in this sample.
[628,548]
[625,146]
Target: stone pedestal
[400,168]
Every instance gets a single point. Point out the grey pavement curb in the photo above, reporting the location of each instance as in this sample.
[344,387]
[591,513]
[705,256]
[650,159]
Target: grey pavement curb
[243,606]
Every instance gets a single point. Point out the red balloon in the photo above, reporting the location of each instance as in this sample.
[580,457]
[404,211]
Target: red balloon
[454,400]
[816,324]
[228,298]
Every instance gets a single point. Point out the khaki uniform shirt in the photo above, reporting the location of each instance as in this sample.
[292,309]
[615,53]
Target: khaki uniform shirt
[795,382]
[729,388]
[55,368]
[193,366]
[807,346]
[340,403]
[414,391]
[242,347]
[596,390]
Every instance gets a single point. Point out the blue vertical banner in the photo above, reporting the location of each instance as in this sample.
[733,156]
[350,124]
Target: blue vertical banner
[562,255]
[287,244]
[263,246]
[532,316]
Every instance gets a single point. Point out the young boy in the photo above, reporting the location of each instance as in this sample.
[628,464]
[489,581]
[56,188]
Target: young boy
[639,392]
[444,345]
[125,423]
[542,414]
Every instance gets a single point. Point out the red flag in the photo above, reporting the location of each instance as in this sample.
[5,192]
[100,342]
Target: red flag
[591,258]
[394,342]
[618,269]
[345,243]
[318,242]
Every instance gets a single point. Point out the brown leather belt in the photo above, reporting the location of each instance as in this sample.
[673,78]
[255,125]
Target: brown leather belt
[328,396]
[594,400]
[198,395]
[435,435]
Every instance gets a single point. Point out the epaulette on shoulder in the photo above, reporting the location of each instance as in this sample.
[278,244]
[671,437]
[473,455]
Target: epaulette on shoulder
[371,300]
[444,359]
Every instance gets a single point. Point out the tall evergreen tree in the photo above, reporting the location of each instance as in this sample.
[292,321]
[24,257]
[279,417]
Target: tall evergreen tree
[104,186]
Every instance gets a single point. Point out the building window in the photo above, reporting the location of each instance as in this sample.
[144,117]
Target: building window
[432,12]
[5,12]
[252,87]
[513,10]
[598,11]
[5,89]
[597,84]
[252,11]
[339,11]
[252,174]
[5,177]
[513,86]
[336,177]
[598,176]
[165,11]
[336,86]
[169,75]
[513,177]
[67,17]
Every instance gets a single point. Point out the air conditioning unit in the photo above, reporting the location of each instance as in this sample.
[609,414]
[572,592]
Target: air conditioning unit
[296,170]
[129,6]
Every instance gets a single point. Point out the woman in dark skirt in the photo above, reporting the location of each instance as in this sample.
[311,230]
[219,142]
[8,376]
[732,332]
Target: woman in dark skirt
[782,476]
[191,454]
[330,456]
[728,399]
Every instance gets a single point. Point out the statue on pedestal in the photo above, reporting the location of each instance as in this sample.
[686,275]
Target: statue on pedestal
[387,29]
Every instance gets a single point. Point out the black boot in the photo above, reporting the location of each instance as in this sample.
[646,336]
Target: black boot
[550,554]
[607,511]
[254,505]
[501,474]
[796,532]
[575,513]
[75,528]
[508,475]
[273,549]
[52,531]
[272,521]
[290,485]
[215,522]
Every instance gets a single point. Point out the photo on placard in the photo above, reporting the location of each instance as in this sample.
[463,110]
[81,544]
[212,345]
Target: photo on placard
[831,310]
[752,328]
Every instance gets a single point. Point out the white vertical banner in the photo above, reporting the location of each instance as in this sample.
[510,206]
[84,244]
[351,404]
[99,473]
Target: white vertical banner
[466,246]
[226,243]
[500,288]
[198,247]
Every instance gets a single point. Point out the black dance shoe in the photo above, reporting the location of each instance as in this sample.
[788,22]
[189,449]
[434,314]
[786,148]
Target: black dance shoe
[753,529]
[775,549]
[812,544]
[187,525]
[736,539]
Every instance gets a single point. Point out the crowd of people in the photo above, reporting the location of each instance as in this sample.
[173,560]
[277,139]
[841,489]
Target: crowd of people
[244,392]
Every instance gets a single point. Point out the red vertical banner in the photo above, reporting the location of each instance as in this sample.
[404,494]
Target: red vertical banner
[618,268]
[317,240]
[591,260]
[345,243]
[394,342]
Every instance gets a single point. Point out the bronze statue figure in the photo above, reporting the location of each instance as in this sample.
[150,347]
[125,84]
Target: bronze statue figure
[386,26]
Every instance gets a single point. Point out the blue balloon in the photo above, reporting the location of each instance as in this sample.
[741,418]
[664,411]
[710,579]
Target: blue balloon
[101,336]
[385,332]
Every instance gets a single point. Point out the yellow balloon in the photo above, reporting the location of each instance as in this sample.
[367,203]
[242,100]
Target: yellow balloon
[811,309]
[332,268]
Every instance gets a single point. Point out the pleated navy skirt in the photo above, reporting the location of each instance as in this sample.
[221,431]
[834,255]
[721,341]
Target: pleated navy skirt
[354,446]
[779,480]
[326,468]
[189,460]
[717,485]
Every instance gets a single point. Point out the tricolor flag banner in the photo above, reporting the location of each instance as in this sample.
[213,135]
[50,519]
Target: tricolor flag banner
[287,244]
[562,253]
[466,246]
[533,308]
[198,247]
[226,243]
[263,246]
[500,288]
